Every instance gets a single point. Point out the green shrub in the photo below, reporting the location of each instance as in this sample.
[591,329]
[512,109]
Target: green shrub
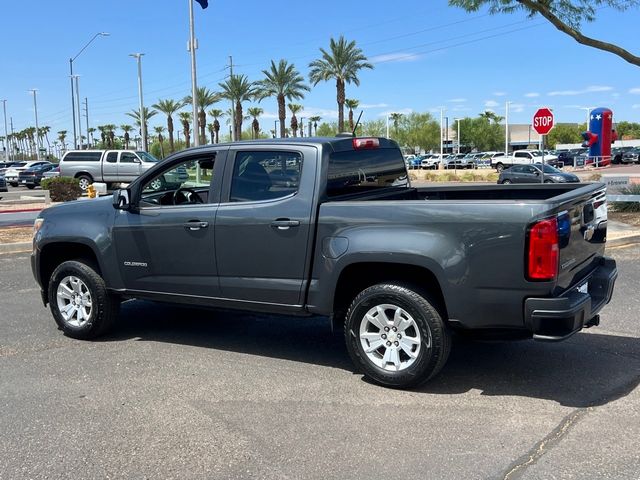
[633,189]
[62,189]
[596,177]
[492,177]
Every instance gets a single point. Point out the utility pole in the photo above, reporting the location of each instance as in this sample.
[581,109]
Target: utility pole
[506,130]
[143,119]
[6,134]
[35,109]
[233,110]
[86,116]
[193,45]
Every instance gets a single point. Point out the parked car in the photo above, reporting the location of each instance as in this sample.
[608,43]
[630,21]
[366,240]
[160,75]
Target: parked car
[617,153]
[414,162]
[3,184]
[108,166]
[346,237]
[31,177]
[12,173]
[532,174]
[458,160]
[54,172]
[521,157]
[631,156]
[431,161]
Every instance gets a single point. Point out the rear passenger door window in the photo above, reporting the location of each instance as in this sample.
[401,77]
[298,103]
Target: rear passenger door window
[259,176]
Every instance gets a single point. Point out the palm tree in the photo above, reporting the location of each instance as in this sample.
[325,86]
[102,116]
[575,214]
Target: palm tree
[90,133]
[126,129]
[238,89]
[314,120]
[285,83]
[295,108]
[212,132]
[44,131]
[351,105]
[205,98]
[185,118]
[255,112]
[169,107]
[395,117]
[111,134]
[159,129]
[216,114]
[491,116]
[147,114]
[341,65]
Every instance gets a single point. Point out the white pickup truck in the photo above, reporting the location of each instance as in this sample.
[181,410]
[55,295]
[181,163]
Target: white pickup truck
[521,157]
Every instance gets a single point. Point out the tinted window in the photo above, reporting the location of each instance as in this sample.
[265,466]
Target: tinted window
[82,157]
[265,175]
[516,169]
[355,171]
[112,157]
[521,155]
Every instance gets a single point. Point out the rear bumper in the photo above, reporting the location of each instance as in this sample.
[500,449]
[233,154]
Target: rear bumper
[557,318]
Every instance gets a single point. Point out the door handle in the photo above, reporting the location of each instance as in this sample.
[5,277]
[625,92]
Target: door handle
[195,225]
[285,223]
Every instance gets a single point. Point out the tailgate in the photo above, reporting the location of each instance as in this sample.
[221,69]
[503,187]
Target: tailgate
[582,232]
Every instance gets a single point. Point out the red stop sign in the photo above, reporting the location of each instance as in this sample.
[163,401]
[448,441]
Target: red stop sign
[543,121]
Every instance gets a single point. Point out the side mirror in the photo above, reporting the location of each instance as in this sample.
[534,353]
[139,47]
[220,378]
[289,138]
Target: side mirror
[122,199]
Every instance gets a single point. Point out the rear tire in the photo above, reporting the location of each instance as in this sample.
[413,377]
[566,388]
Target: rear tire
[79,301]
[395,336]
[506,182]
[31,187]
[84,181]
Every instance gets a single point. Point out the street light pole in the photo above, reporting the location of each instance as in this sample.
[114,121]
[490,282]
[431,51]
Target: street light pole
[506,130]
[6,134]
[441,138]
[143,119]
[458,137]
[588,109]
[73,100]
[35,109]
[301,128]
[77,90]
[194,84]
[275,127]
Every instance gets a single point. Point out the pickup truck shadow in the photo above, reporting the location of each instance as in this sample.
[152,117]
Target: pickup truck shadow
[589,369]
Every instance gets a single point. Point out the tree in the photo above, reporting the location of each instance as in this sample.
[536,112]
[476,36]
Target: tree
[342,64]
[327,129]
[255,112]
[216,114]
[91,131]
[238,89]
[159,129]
[628,130]
[314,120]
[205,98]
[126,129]
[294,108]
[491,116]
[374,128]
[564,133]
[44,132]
[169,108]
[566,15]
[146,114]
[395,118]
[418,129]
[351,105]
[481,133]
[284,82]
[185,118]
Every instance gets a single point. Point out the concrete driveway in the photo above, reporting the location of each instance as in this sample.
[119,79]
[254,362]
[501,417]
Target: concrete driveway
[188,393]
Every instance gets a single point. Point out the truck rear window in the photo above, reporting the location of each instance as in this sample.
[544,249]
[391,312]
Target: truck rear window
[356,171]
[82,157]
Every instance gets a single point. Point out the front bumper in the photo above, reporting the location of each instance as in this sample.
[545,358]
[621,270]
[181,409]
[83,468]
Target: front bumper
[557,318]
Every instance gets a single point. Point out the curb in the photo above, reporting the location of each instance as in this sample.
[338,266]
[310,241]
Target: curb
[18,247]
[624,241]
[22,210]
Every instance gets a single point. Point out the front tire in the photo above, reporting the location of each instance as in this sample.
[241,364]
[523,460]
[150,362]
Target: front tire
[506,182]
[395,336]
[80,303]
[499,167]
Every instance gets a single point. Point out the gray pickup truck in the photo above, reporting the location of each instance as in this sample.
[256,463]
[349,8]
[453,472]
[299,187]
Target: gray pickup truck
[333,227]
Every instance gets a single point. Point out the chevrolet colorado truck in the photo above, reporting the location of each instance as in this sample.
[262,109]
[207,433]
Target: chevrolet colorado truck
[333,227]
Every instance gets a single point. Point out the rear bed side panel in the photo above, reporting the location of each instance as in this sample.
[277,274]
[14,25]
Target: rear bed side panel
[475,250]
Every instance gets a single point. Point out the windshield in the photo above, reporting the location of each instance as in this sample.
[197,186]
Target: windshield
[548,168]
[536,153]
[147,157]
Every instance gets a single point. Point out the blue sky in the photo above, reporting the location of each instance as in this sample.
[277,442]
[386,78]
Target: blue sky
[427,55]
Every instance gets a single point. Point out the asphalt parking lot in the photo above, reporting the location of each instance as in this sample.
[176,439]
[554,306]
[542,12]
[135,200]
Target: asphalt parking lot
[186,393]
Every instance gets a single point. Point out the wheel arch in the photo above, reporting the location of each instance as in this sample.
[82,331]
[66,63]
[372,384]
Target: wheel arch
[53,254]
[355,277]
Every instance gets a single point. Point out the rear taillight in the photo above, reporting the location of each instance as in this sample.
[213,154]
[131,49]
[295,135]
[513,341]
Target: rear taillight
[365,143]
[543,254]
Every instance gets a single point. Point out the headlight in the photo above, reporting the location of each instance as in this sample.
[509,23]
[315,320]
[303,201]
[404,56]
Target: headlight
[37,225]
[558,178]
